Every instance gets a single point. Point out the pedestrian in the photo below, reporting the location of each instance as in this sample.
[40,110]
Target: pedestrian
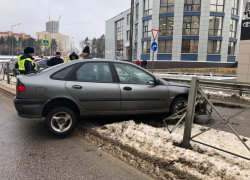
[55,60]
[73,56]
[142,63]
[25,63]
[145,63]
[138,62]
[86,53]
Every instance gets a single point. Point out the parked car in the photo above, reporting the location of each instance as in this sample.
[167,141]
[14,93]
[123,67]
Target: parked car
[38,59]
[64,92]
[42,63]
[12,70]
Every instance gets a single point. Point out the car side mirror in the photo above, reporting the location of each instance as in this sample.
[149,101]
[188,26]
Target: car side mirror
[157,81]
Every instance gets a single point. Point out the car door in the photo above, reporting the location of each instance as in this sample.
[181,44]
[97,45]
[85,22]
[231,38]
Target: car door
[93,86]
[138,89]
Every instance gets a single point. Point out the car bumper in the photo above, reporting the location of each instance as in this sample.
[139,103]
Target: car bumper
[29,108]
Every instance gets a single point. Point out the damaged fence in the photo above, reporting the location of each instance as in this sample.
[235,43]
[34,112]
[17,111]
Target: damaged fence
[5,70]
[196,96]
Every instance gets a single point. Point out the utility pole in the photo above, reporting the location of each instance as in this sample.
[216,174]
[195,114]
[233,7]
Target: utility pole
[12,36]
[131,31]
[49,35]
[59,34]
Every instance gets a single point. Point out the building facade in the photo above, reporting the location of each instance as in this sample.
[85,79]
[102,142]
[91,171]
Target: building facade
[189,30]
[16,35]
[54,27]
[62,40]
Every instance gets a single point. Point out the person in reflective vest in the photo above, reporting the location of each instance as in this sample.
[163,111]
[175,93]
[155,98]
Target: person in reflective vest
[25,62]
[73,56]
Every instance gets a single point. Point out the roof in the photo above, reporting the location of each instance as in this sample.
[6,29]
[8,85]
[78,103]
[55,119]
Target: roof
[117,15]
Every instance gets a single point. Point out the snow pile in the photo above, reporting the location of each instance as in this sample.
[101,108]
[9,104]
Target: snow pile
[8,87]
[232,96]
[201,162]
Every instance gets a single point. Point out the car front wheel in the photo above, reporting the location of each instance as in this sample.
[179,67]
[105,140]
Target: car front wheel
[178,104]
[61,121]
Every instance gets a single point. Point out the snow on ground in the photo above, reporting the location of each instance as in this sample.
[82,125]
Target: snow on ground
[231,96]
[202,162]
[9,87]
[190,76]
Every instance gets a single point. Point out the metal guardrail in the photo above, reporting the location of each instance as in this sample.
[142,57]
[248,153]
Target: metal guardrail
[196,86]
[2,72]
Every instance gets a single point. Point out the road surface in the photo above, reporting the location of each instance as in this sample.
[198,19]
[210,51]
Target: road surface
[29,151]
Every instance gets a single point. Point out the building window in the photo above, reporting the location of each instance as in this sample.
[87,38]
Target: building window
[213,47]
[148,7]
[167,6]
[189,46]
[235,6]
[146,47]
[166,26]
[231,48]
[136,31]
[137,12]
[119,38]
[128,19]
[135,49]
[192,5]
[233,25]
[147,26]
[191,25]
[217,5]
[128,35]
[215,26]
[165,46]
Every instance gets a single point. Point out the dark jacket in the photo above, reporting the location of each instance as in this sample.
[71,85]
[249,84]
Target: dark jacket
[142,63]
[145,62]
[54,61]
[89,56]
[29,66]
[73,54]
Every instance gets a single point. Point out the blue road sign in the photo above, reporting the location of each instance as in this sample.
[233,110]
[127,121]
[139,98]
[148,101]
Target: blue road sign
[154,46]
[46,43]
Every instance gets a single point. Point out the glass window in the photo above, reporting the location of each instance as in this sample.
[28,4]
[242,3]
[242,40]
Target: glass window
[62,73]
[213,47]
[235,7]
[232,30]
[128,35]
[137,12]
[135,48]
[147,26]
[146,47]
[128,19]
[192,5]
[167,6]
[191,25]
[165,46]
[166,26]
[148,7]
[215,26]
[136,31]
[93,72]
[231,48]
[119,38]
[132,74]
[189,46]
[217,5]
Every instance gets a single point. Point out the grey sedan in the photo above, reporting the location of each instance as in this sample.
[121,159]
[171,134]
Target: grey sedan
[67,91]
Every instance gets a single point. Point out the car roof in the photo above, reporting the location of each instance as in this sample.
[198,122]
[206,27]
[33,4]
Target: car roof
[101,60]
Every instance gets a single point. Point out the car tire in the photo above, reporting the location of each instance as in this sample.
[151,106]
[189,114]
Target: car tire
[181,102]
[61,121]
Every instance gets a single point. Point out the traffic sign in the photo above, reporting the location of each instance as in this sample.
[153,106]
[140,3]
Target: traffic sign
[154,46]
[155,33]
[46,43]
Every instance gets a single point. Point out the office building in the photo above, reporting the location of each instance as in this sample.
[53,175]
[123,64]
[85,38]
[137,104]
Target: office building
[54,27]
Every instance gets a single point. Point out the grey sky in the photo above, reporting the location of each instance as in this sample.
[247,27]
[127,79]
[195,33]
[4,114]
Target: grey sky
[80,18]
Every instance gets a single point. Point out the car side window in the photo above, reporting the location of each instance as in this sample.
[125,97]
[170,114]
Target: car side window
[60,75]
[93,72]
[133,75]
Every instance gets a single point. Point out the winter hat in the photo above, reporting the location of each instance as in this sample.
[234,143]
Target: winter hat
[28,50]
[86,50]
[58,53]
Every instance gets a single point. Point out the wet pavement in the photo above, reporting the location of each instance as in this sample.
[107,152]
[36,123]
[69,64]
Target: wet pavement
[29,151]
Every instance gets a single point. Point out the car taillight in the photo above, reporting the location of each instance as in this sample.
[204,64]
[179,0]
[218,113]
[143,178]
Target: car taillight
[20,88]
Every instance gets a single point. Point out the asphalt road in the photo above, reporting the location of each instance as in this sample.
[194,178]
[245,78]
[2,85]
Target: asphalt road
[29,151]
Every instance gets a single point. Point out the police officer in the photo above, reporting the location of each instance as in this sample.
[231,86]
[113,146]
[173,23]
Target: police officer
[73,56]
[25,62]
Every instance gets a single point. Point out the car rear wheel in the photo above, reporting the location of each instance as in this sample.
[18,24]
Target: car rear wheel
[61,121]
[178,104]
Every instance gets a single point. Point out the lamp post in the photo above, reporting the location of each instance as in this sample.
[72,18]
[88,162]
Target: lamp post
[71,45]
[12,36]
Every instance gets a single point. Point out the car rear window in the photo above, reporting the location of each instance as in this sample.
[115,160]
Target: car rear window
[62,74]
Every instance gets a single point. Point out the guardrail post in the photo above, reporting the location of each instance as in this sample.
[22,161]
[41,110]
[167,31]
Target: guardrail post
[190,113]
[8,73]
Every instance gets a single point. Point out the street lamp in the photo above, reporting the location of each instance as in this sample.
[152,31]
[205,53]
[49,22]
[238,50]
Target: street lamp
[71,45]
[12,36]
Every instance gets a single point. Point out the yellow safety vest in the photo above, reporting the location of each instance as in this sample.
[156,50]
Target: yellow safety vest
[21,63]
[69,60]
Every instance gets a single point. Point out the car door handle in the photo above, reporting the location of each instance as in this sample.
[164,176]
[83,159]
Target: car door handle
[127,88]
[77,87]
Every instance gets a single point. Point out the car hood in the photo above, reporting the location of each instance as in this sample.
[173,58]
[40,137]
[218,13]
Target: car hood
[178,84]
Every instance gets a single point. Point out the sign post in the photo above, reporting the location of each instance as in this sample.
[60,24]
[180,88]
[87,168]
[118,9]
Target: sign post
[154,46]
